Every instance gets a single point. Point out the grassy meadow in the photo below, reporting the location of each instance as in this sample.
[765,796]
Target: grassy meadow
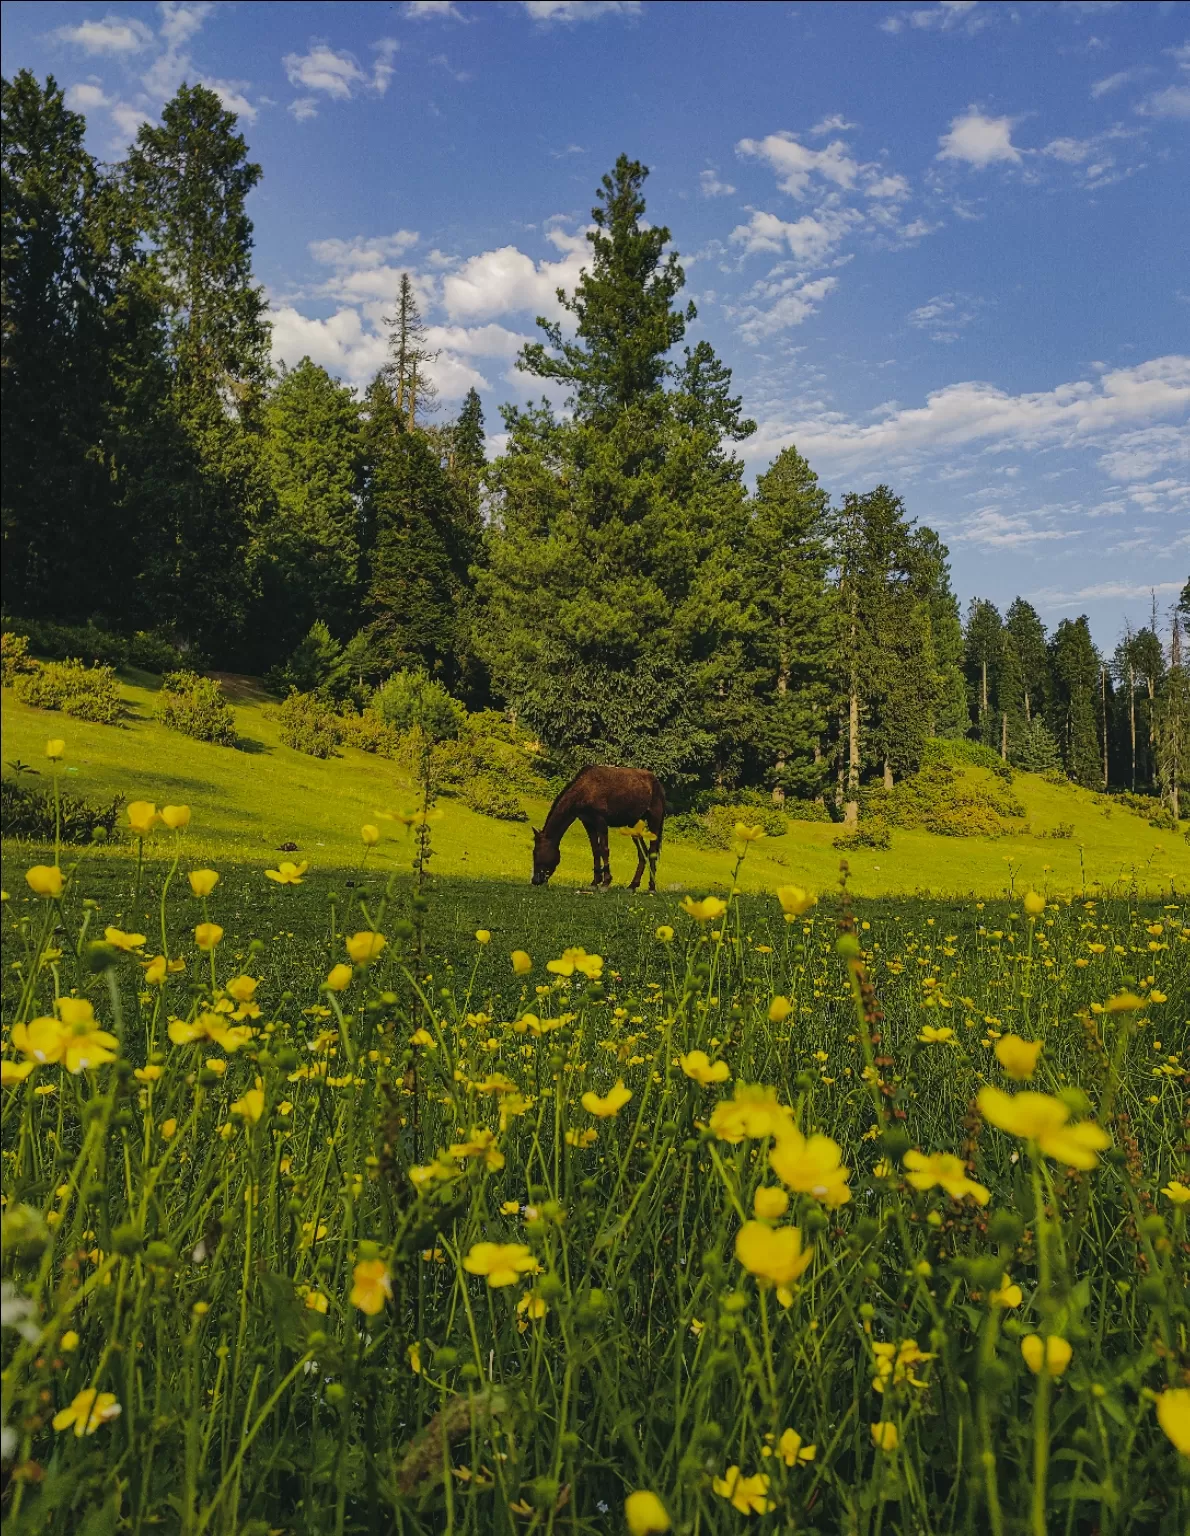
[424,1203]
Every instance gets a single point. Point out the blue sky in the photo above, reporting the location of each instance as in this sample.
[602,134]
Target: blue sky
[942,246]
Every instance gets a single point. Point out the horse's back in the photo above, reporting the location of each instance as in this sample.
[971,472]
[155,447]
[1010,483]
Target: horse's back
[623,795]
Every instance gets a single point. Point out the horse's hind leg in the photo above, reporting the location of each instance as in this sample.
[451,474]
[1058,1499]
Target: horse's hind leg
[654,855]
[639,844]
[605,851]
[593,835]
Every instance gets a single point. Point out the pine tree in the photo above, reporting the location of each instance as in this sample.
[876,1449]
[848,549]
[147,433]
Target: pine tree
[57,550]
[931,579]
[795,640]
[1029,638]
[470,449]
[190,179]
[414,392]
[1076,671]
[1172,721]
[984,658]
[308,554]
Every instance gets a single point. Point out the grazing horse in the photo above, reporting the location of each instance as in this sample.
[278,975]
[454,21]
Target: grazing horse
[603,797]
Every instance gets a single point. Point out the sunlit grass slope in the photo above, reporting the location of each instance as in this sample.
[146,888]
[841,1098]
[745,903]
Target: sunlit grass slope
[248,802]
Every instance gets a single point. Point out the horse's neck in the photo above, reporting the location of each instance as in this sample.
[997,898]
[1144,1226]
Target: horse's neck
[562,813]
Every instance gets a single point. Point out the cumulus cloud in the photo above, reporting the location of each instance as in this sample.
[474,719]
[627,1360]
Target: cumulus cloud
[943,17]
[112,35]
[832,124]
[304,108]
[87,97]
[545,11]
[796,165]
[808,239]
[179,22]
[506,281]
[429,10]
[792,300]
[979,141]
[340,75]
[944,316]
[353,351]
[1173,101]
[976,414]
[710,185]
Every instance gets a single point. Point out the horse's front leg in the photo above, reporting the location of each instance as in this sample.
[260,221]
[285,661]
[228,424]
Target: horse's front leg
[593,834]
[605,855]
[639,844]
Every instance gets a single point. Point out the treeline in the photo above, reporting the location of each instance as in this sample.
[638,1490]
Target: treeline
[609,579]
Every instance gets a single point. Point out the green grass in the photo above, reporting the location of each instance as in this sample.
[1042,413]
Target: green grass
[248,802]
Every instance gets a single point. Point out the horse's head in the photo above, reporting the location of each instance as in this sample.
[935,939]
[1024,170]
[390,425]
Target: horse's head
[546,857]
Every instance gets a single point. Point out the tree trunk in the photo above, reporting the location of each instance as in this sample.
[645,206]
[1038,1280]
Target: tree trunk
[1004,735]
[851,809]
[1028,711]
[983,691]
[1132,719]
[888,774]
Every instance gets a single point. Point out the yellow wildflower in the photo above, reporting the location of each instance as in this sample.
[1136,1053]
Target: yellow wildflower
[885,1436]
[1006,1294]
[577,959]
[365,946]
[746,834]
[774,1255]
[611,1104]
[87,1412]
[142,817]
[55,749]
[207,935]
[794,901]
[128,942]
[251,1106]
[522,963]
[1043,1120]
[175,816]
[791,1450]
[501,1263]
[747,1494]
[242,988]
[645,1514]
[1033,904]
[1178,1192]
[339,977]
[203,881]
[1051,1354]
[483,936]
[770,1203]
[753,1112]
[663,932]
[1018,1057]
[811,1166]
[698,1065]
[1173,1415]
[895,1362]
[287,872]
[14,1072]
[779,1010]
[947,1170]
[370,835]
[45,880]
[706,910]
[371,1286]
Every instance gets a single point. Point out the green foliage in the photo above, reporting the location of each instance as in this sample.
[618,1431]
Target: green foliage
[1075,664]
[148,651]
[196,707]
[1034,749]
[317,665]
[410,699]
[492,797]
[949,801]
[88,693]
[27,812]
[872,832]
[14,657]
[715,826]
[369,732]
[961,750]
[308,724]
[1063,831]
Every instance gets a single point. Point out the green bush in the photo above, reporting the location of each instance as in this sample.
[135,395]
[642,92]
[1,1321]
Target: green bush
[490,746]
[873,833]
[952,750]
[308,725]
[966,820]
[27,811]
[715,827]
[195,706]
[88,642]
[1063,830]
[87,693]
[805,810]
[411,699]
[369,732]
[491,797]
[14,657]
[948,801]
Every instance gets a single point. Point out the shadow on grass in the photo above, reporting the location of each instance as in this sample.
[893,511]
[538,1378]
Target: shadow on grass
[252,747]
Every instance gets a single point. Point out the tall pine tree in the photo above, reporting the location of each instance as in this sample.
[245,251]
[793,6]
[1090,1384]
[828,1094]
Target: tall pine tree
[1076,670]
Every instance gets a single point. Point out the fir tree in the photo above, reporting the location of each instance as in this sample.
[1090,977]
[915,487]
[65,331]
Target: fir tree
[984,639]
[470,449]
[1076,670]
[1029,638]
[407,372]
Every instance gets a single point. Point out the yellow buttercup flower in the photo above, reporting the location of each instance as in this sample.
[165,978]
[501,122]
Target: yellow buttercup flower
[370,835]
[1124,1002]
[371,1286]
[87,1412]
[779,1010]
[212,1026]
[14,1072]
[698,1065]
[811,1165]
[770,1203]
[577,959]
[207,935]
[746,834]
[69,1342]
[895,1362]
[339,977]
[946,1170]
[501,1263]
[611,1104]
[55,749]
[753,1112]
[794,901]
[934,1034]
[1033,904]
[791,1450]
[203,881]
[157,969]
[706,910]
[251,1106]
[1173,1415]
[74,1039]
[1178,1192]
[1006,1294]
[522,963]
[885,1436]
[1038,1118]
[645,1514]
[142,817]
[773,1254]
[45,880]
[1018,1057]
[483,936]
[365,946]
[747,1494]
[1051,1355]
[287,873]
[663,932]
[175,816]
[125,941]
[242,988]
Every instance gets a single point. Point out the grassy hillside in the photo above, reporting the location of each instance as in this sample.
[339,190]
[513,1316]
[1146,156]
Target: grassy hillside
[247,802]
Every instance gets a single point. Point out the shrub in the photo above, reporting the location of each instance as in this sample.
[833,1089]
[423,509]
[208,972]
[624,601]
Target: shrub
[946,800]
[952,750]
[27,811]
[966,820]
[14,657]
[1063,830]
[874,833]
[87,693]
[1036,751]
[490,797]
[195,706]
[308,725]
[805,810]
[715,827]
[411,699]
[60,642]
[1163,819]
[369,732]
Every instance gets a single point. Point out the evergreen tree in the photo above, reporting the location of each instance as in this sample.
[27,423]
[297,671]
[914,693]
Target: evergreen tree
[985,639]
[57,551]
[190,179]
[931,578]
[794,618]
[1171,725]
[1076,672]
[308,554]
[407,372]
[469,441]
[1028,636]
[614,614]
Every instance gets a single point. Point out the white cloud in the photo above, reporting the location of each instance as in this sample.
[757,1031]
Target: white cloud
[112,35]
[795,165]
[354,352]
[1173,101]
[128,118]
[87,97]
[1121,77]
[808,239]
[1138,455]
[978,140]
[545,11]
[794,302]
[833,124]
[231,94]
[428,10]
[943,17]
[363,252]
[339,75]
[971,414]
[944,316]
[711,186]
[304,108]
[887,186]
[990,528]
[506,281]
[179,22]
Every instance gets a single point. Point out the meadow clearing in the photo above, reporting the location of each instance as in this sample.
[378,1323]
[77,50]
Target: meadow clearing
[333,1203]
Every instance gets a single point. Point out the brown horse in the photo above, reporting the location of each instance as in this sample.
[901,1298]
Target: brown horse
[600,798]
